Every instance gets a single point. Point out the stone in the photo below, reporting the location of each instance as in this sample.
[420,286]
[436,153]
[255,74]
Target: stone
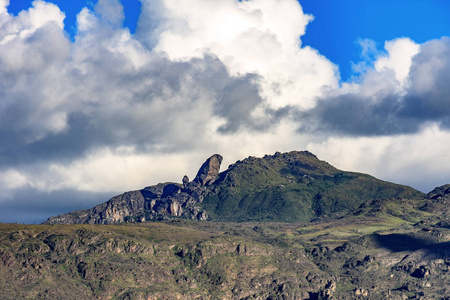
[439,191]
[361,292]
[185,181]
[209,171]
[331,285]
[175,208]
[202,216]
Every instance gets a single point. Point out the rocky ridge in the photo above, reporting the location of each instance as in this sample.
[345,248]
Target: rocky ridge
[151,203]
[284,187]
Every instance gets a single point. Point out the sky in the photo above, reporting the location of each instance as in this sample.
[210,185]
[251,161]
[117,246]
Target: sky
[102,97]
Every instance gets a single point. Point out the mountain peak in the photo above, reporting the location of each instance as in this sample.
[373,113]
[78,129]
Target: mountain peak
[284,187]
[209,171]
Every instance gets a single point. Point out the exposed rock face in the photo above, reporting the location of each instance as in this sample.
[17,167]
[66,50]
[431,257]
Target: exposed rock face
[113,211]
[185,181]
[209,171]
[439,192]
[160,201]
[439,198]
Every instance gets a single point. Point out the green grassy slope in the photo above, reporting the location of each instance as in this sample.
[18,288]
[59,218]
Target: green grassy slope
[292,187]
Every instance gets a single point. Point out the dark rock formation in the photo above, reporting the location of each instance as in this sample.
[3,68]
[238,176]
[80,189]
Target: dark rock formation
[164,200]
[439,191]
[185,181]
[209,171]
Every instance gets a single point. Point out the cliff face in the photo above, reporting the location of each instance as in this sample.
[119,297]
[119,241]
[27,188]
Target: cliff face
[209,171]
[285,187]
[113,211]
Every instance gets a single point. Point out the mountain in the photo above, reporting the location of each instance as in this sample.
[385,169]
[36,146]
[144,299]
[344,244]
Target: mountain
[292,187]
[348,236]
[284,187]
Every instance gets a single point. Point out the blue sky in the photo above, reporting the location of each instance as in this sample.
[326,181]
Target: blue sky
[336,29]
[338,25]
[142,92]
[72,7]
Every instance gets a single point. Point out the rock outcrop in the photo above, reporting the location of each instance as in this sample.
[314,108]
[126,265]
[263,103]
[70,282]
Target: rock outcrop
[209,171]
[437,204]
[164,200]
[185,181]
[439,191]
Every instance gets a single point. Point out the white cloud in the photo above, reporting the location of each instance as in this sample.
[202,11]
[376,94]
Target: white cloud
[399,58]
[261,37]
[28,21]
[33,53]
[112,111]
[383,72]
[3,6]
[12,179]
[419,160]
[85,20]
[111,11]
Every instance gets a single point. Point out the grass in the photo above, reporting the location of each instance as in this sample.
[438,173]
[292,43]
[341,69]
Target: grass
[292,187]
[210,266]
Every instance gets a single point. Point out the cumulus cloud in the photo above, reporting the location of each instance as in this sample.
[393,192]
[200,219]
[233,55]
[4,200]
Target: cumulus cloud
[419,160]
[110,111]
[261,37]
[400,53]
[404,92]
[393,121]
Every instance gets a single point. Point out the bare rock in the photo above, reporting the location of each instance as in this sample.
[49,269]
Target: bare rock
[361,292]
[209,171]
[202,216]
[185,181]
[439,191]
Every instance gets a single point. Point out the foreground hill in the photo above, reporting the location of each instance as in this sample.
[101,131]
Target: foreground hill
[367,254]
[288,187]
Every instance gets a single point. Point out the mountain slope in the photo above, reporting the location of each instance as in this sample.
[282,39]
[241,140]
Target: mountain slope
[288,187]
[291,187]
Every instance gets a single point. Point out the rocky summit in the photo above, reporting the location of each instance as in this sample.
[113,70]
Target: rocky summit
[209,171]
[284,187]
